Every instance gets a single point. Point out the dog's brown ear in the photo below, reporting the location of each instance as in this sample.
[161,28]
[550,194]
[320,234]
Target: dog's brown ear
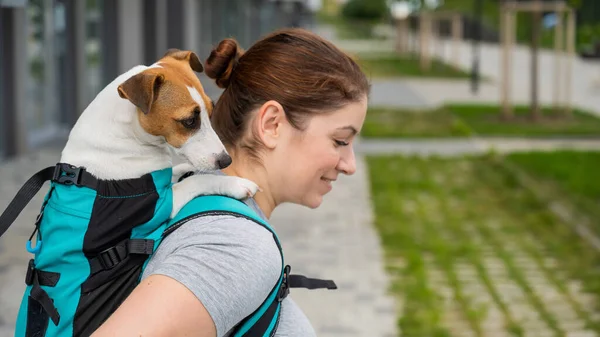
[142,90]
[186,55]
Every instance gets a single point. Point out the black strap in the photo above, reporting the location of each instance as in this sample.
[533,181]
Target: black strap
[43,278]
[261,326]
[112,256]
[23,197]
[60,173]
[37,278]
[41,296]
[300,281]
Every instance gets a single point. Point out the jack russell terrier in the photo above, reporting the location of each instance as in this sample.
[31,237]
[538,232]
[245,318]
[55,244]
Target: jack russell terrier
[112,194]
[133,125]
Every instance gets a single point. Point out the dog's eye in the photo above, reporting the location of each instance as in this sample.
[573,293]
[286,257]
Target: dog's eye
[192,122]
[189,123]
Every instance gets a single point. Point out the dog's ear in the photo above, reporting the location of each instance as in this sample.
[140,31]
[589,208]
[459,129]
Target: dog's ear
[142,90]
[186,55]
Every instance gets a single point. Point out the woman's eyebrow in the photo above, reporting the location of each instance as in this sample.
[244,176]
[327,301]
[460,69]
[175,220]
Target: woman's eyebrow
[349,127]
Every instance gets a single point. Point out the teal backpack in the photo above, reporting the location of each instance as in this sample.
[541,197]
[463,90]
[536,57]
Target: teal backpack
[95,237]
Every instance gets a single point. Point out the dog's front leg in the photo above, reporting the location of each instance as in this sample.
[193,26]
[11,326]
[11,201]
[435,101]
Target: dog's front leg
[206,184]
[180,170]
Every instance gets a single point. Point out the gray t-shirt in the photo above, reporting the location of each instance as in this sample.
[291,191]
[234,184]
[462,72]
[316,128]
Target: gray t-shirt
[231,264]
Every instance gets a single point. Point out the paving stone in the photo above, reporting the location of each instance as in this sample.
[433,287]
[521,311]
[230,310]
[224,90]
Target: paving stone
[584,333]
[573,325]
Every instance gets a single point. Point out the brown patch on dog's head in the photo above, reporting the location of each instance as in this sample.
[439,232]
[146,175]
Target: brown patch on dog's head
[164,96]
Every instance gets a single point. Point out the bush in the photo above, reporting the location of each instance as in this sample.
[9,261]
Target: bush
[365,9]
[588,34]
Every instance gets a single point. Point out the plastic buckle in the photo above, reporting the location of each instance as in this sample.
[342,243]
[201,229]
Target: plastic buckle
[72,174]
[284,289]
[110,257]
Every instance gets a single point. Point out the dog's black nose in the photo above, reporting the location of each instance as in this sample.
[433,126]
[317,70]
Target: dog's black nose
[223,160]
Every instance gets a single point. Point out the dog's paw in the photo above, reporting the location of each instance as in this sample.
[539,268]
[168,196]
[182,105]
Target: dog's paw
[239,188]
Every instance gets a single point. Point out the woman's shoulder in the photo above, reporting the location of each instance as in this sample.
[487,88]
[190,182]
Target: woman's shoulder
[241,239]
[219,228]
[229,263]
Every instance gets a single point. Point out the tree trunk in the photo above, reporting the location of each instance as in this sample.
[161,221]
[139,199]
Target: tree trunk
[535,42]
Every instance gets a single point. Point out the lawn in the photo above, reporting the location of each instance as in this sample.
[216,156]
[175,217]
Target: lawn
[566,174]
[455,120]
[391,123]
[575,171]
[485,120]
[472,252]
[391,65]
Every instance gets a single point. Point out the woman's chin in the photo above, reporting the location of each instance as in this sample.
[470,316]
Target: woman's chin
[313,201]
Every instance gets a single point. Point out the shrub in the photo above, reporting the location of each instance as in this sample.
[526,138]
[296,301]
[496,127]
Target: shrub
[365,9]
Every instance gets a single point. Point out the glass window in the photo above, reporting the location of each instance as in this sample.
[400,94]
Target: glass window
[93,16]
[45,25]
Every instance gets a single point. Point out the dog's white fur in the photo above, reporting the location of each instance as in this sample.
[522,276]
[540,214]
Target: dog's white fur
[110,143]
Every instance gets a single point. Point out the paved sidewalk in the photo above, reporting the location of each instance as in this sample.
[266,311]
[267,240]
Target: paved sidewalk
[470,146]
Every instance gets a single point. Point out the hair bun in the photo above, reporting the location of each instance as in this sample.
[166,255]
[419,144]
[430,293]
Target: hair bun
[222,61]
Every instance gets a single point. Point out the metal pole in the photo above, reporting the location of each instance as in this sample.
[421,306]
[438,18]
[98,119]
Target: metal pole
[535,44]
[558,55]
[571,36]
[478,15]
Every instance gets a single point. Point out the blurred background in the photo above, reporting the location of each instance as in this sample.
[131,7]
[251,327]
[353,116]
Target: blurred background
[475,209]
[64,52]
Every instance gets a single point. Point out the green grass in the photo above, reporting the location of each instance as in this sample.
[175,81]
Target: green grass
[566,174]
[434,216]
[349,29]
[575,171]
[391,123]
[485,120]
[455,120]
[390,65]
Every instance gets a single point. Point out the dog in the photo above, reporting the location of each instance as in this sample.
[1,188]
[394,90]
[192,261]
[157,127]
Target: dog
[136,122]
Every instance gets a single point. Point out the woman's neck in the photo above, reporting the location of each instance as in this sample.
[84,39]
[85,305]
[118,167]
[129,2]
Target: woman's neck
[258,175]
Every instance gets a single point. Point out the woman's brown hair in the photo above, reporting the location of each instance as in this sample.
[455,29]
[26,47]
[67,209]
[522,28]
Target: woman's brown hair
[306,74]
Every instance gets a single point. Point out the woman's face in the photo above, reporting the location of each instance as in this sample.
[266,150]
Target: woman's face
[307,162]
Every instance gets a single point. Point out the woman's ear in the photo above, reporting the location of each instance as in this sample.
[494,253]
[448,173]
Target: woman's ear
[270,120]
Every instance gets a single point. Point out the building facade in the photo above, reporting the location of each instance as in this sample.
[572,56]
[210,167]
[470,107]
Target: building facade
[56,55]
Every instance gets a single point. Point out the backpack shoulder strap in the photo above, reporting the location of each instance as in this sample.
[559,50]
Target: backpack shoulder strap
[208,205]
[264,320]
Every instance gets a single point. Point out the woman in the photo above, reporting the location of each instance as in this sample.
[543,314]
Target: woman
[291,108]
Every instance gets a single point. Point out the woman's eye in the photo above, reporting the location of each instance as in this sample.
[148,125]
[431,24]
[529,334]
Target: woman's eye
[341,143]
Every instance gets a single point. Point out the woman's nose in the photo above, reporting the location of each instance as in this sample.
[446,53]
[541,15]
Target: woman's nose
[347,163]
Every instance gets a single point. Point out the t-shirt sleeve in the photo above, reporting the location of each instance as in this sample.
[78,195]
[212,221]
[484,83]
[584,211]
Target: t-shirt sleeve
[231,264]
